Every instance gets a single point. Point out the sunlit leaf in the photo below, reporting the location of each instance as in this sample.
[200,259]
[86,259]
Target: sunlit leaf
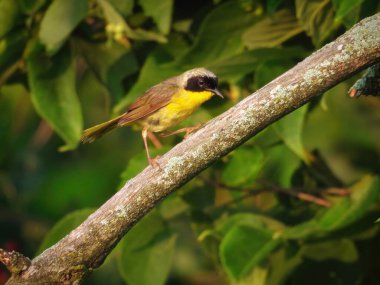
[63,227]
[249,220]
[317,18]
[125,7]
[343,250]
[344,7]
[272,30]
[52,82]
[60,20]
[9,15]
[282,263]
[160,11]
[243,248]
[147,252]
[243,167]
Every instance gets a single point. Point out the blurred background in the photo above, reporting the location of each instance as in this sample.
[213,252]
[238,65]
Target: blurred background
[296,204]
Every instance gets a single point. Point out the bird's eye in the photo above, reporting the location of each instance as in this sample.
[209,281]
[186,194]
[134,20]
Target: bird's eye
[201,82]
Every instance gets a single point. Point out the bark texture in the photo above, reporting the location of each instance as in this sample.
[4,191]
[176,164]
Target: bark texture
[85,248]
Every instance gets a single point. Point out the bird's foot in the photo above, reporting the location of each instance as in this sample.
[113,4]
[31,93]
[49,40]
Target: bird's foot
[187,131]
[154,161]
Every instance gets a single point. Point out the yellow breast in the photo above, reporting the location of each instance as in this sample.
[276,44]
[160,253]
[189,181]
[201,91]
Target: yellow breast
[182,105]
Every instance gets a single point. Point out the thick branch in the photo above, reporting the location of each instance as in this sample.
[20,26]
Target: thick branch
[86,247]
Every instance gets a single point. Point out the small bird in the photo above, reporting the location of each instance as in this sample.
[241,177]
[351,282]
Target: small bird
[163,106]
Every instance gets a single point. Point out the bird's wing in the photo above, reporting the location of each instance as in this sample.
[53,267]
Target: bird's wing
[153,99]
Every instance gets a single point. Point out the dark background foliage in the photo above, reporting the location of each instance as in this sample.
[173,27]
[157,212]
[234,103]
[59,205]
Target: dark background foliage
[275,211]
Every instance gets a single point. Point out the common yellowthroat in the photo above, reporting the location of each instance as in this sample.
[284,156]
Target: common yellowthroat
[163,106]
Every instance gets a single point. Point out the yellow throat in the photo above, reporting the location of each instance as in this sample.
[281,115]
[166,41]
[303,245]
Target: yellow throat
[181,106]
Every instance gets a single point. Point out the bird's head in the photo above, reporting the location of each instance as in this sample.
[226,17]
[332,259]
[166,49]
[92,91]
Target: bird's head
[198,80]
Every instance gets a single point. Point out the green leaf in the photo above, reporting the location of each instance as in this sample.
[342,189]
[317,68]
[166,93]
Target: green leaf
[209,50]
[272,30]
[152,72]
[344,213]
[200,197]
[280,165]
[217,38]
[209,47]
[282,263]
[160,11]
[248,61]
[317,19]
[110,63]
[135,165]
[31,6]
[63,227]
[147,252]
[60,19]
[272,5]
[289,129]
[14,106]
[52,82]
[269,69]
[138,162]
[243,248]
[9,15]
[249,220]
[364,194]
[243,167]
[125,7]
[344,7]
[343,250]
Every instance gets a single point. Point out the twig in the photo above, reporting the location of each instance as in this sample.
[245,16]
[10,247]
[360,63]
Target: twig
[15,262]
[368,84]
[295,192]
[10,71]
[305,197]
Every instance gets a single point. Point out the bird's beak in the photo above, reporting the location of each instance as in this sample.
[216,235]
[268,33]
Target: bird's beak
[217,92]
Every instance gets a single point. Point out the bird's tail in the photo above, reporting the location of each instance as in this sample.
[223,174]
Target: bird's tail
[95,132]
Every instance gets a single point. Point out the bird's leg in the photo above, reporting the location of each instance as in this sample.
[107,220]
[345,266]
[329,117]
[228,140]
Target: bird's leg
[152,161]
[188,131]
[156,142]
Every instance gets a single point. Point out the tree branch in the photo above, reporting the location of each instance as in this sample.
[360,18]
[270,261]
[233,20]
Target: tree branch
[85,248]
[15,262]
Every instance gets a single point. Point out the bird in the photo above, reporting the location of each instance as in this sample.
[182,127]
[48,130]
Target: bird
[163,106]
